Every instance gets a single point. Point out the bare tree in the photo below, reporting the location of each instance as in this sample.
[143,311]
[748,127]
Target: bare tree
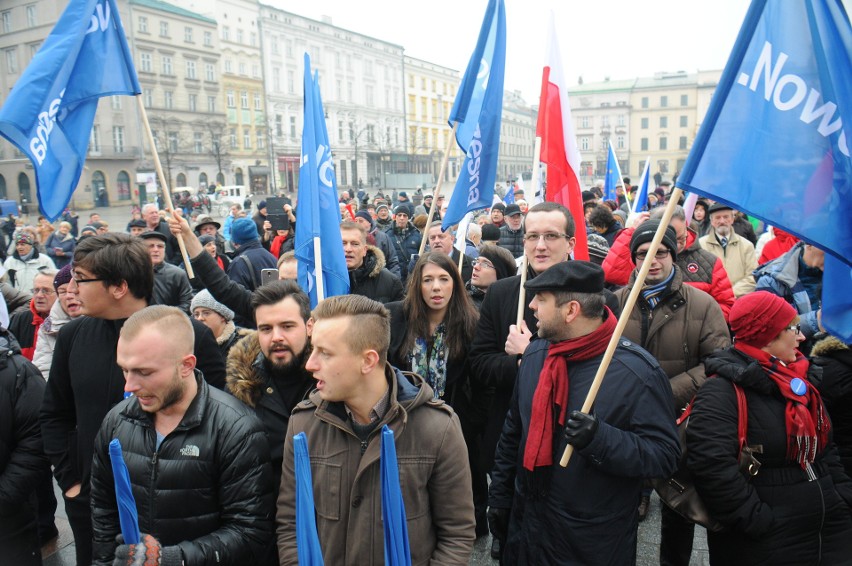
[170,142]
[218,145]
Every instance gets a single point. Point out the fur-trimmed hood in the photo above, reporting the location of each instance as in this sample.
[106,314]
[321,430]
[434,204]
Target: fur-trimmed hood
[373,264]
[827,346]
[243,379]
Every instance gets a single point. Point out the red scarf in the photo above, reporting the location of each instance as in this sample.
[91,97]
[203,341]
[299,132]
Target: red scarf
[552,389]
[220,263]
[37,322]
[277,242]
[807,425]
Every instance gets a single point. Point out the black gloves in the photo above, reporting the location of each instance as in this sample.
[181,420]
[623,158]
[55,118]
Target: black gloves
[580,429]
[498,522]
[147,553]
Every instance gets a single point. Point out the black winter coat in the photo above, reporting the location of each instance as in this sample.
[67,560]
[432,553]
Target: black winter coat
[85,383]
[207,488]
[835,386]
[512,240]
[586,513]
[372,280]
[171,287]
[778,517]
[22,460]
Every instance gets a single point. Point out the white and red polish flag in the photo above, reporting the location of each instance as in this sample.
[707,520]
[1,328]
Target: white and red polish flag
[559,144]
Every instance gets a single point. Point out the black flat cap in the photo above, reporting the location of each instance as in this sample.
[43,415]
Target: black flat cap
[717,206]
[575,276]
[153,234]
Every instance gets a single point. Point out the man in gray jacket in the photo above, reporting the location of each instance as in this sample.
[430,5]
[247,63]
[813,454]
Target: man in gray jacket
[171,285]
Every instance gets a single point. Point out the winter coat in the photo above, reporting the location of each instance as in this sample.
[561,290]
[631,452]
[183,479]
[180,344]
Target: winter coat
[835,386]
[224,290]
[206,489]
[737,257]
[229,337]
[85,383]
[372,280]
[778,516]
[171,287]
[406,243]
[745,229]
[777,246]
[66,244]
[434,480]
[612,232]
[257,257]
[22,461]
[383,242]
[21,273]
[476,295]
[271,401]
[46,341]
[25,326]
[512,240]
[17,300]
[586,513]
[684,328]
[781,277]
[698,267]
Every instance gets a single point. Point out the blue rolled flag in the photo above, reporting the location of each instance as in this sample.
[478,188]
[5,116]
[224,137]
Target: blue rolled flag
[509,197]
[397,550]
[613,175]
[477,109]
[640,201]
[128,516]
[49,114]
[307,540]
[773,143]
[317,209]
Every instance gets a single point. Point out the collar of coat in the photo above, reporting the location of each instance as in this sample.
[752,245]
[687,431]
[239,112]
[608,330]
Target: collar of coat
[373,264]
[191,418]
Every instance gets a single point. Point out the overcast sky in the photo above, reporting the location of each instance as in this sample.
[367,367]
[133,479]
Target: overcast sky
[620,39]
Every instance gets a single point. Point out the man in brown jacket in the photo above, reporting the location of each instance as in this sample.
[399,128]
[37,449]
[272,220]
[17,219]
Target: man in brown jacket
[680,326]
[357,392]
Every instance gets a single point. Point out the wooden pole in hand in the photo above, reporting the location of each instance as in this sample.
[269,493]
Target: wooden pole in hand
[450,142]
[625,314]
[167,196]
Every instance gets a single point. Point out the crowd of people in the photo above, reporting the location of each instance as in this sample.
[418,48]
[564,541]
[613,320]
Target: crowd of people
[478,355]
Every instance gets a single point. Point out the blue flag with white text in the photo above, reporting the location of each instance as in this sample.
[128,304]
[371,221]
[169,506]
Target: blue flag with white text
[477,109]
[773,143]
[50,111]
[613,175]
[317,210]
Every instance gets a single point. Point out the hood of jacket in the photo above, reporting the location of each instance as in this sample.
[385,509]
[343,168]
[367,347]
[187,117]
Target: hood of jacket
[735,366]
[784,268]
[373,264]
[56,319]
[829,345]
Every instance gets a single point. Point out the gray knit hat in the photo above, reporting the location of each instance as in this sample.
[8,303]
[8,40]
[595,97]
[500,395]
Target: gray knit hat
[205,300]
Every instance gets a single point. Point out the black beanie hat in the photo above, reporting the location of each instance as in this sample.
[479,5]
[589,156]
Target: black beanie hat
[645,233]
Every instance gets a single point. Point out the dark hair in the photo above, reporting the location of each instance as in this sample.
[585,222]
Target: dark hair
[570,228]
[601,217]
[276,291]
[461,316]
[115,258]
[591,304]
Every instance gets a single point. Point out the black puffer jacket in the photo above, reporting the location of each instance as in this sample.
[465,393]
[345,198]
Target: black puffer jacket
[207,489]
[372,280]
[835,386]
[22,460]
[778,517]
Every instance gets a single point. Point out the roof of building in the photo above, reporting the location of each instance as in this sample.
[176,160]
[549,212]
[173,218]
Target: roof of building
[603,86]
[172,9]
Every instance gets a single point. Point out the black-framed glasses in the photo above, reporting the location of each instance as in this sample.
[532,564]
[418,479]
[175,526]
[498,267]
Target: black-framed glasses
[662,253]
[795,328]
[549,237]
[482,263]
[78,279]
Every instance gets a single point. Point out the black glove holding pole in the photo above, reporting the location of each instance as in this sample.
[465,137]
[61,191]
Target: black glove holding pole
[580,429]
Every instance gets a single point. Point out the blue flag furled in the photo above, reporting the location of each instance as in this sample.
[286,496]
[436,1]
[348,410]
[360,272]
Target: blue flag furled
[509,197]
[307,540]
[317,209]
[640,201]
[397,550]
[128,517]
[477,109]
[50,111]
[613,175]
[773,143]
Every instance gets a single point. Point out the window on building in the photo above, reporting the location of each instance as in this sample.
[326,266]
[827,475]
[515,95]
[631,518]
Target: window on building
[166,63]
[350,91]
[193,102]
[239,36]
[118,138]
[244,99]
[273,44]
[173,142]
[340,130]
[210,71]
[682,142]
[148,98]
[156,136]
[664,101]
[621,120]
[279,125]
[232,138]
[6,18]
[368,68]
[368,95]
[145,64]
[257,102]
[260,139]
[664,121]
[684,99]
[289,47]
[643,144]
[169,100]
[253,39]
[142,24]
[164,29]
[684,121]
[644,123]
[664,143]
[32,21]
[619,142]
[12,60]
[228,66]
[255,71]
[95,139]
[115,102]
[211,104]
[187,34]
[584,122]
[644,102]
[197,143]
[208,39]
[190,70]
[276,79]
[584,143]
[246,139]
[291,82]
[242,67]
[226,33]
[229,96]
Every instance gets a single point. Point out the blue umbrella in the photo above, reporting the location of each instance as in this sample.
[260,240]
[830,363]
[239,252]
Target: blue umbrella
[307,539]
[397,551]
[124,499]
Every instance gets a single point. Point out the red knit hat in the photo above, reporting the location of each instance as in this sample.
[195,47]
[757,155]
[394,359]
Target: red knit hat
[758,318]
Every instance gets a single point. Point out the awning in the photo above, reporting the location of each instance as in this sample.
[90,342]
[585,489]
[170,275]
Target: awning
[258,171]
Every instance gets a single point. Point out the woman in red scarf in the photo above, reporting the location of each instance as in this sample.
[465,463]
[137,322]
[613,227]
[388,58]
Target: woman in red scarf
[796,510]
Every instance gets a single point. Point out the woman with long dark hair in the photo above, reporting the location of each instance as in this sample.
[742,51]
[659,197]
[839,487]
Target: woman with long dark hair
[431,332]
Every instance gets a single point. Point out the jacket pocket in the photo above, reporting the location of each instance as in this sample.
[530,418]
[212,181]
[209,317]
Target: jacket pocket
[326,478]
[414,474]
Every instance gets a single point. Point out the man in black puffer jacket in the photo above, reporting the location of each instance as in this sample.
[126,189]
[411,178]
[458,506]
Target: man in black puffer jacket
[197,458]
[366,264]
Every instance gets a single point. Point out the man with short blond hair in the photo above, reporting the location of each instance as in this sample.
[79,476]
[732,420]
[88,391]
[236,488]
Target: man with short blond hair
[368,275]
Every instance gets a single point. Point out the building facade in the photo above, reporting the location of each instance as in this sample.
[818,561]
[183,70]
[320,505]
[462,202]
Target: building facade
[517,137]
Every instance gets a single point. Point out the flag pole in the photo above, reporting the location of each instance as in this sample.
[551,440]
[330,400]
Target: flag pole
[536,182]
[165,188]
[625,313]
[438,188]
[318,272]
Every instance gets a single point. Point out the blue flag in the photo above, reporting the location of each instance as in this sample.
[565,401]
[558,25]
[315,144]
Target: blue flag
[613,175]
[397,549]
[50,111]
[773,143]
[509,197]
[317,209]
[477,109]
[128,516]
[307,540]
[640,201]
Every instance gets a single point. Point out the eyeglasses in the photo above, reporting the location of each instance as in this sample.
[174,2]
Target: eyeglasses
[549,237]
[795,328]
[78,279]
[662,253]
[42,291]
[482,263]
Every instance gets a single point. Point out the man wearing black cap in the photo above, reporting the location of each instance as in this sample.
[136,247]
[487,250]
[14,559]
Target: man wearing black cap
[384,220]
[512,232]
[171,284]
[737,253]
[680,325]
[498,211]
[405,238]
[584,513]
[136,227]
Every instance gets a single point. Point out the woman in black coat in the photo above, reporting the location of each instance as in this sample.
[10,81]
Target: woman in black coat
[431,331]
[796,510]
[835,385]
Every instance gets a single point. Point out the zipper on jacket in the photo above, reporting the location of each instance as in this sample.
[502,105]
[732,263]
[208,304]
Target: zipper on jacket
[364,445]
[152,489]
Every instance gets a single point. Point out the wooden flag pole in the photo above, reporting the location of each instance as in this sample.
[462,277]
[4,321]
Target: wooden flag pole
[625,313]
[167,196]
[523,294]
[438,188]
[536,186]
